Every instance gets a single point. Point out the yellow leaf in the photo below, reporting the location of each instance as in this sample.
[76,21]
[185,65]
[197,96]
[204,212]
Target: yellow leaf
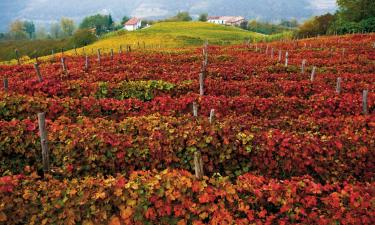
[87,222]
[203,215]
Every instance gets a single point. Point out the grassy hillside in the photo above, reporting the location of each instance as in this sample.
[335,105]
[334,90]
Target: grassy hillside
[168,35]
[31,48]
[180,34]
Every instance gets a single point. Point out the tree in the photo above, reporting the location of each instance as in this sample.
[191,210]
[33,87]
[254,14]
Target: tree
[29,28]
[203,17]
[110,22]
[83,37]
[318,25]
[16,29]
[55,30]
[67,26]
[124,20]
[356,10]
[41,33]
[181,16]
[101,23]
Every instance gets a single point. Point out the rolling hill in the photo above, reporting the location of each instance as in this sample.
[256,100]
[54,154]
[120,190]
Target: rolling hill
[172,35]
[44,12]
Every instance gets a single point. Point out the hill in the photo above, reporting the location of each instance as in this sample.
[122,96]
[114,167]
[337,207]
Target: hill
[177,34]
[43,12]
[168,35]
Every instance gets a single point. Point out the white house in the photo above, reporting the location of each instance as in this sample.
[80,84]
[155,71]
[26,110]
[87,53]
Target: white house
[226,20]
[133,24]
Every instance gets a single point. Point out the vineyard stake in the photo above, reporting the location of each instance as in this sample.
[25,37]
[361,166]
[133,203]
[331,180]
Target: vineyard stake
[53,55]
[17,57]
[364,102]
[99,56]
[5,84]
[312,77]
[338,85]
[201,83]
[111,54]
[36,66]
[195,109]
[212,115]
[272,53]
[120,50]
[303,66]
[86,63]
[43,141]
[286,59]
[198,165]
[64,65]
[279,56]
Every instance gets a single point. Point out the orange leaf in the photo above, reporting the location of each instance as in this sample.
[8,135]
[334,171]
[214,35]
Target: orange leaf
[3,217]
[114,221]
[126,213]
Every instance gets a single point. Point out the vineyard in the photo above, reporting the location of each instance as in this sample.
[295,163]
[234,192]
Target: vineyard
[259,133]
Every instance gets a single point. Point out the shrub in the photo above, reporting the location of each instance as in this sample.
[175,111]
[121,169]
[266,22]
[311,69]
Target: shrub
[83,37]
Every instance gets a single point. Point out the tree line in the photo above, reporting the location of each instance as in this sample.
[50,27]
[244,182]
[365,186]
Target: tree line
[352,16]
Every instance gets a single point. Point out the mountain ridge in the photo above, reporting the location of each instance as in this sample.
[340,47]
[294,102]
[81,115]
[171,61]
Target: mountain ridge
[48,11]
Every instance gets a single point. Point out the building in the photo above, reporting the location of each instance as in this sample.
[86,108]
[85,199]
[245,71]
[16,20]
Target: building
[226,20]
[133,24]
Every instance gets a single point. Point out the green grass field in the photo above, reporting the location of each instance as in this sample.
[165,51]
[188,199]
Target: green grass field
[173,36]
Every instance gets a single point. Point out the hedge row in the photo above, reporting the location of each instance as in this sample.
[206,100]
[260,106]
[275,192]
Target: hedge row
[229,147]
[176,197]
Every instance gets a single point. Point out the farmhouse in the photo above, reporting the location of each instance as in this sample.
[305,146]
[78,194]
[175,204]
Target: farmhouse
[133,24]
[226,20]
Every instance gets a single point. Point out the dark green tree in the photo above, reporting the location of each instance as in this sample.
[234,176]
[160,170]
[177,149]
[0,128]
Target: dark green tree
[181,16]
[125,19]
[83,37]
[203,17]
[356,10]
[101,23]
[29,28]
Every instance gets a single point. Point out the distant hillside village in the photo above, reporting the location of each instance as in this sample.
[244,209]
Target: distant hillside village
[136,23]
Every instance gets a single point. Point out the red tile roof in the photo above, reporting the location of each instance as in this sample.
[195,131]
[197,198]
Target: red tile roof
[132,21]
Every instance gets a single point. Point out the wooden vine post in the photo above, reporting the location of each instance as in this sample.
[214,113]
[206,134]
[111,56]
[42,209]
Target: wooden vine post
[43,141]
[111,54]
[17,57]
[303,66]
[364,102]
[201,83]
[279,60]
[198,165]
[5,84]
[212,115]
[36,66]
[53,55]
[86,63]
[195,109]
[338,85]
[312,76]
[99,56]
[63,65]
[286,58]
